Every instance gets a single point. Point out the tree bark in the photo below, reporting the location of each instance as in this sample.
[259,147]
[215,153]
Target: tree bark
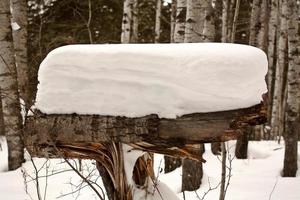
[192,172]
[19,18]
[208,34]
[293,92]
[173,19]
[194,21]
[262,35]
[9,90]
[157,20]
[223,174]
[235,18]
[254,22]
[41,130]
[277,119]
[127,21]
[272,46]
[218,20]
[179,30]
[216,148]
[2,129]
[171,163]
[178,17]
[241,148]
[225,20]
[134,37]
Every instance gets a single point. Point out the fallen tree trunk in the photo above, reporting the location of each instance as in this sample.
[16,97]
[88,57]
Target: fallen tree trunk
[81,133]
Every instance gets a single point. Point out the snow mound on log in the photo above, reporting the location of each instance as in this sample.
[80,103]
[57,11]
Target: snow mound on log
[134,80]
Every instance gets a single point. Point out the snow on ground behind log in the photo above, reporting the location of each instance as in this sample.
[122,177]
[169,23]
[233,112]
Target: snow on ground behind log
[253,178]
[134,80]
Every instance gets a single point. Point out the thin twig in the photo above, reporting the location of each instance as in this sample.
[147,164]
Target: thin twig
[274,186]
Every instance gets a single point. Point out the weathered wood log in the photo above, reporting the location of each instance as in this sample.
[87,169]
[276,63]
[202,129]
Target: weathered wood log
[150,133]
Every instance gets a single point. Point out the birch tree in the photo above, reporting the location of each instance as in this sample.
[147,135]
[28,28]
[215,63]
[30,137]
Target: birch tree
[225,20]
[254,22]
[127,21]
[272,46]
[293,91]
[277,119]
[157,20]
[179,30]
[173,19]
[194,21]
[199,27]
[262,34]
[9,90]
[135,22]
[208,33]
[19,21]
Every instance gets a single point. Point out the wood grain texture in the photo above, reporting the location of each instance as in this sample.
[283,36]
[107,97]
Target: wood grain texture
[150,133]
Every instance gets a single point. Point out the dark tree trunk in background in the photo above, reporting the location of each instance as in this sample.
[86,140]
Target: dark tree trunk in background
[293,92]
[107,182]
[216,148]
[171,163]
[241,149]
[192,172]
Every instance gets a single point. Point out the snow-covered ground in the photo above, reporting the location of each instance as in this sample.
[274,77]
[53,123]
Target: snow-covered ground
[254,178]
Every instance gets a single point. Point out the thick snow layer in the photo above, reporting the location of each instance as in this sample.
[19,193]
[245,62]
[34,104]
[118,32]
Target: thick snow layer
[139,79]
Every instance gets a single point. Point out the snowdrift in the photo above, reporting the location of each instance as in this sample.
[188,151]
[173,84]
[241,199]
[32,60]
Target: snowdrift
[135,80]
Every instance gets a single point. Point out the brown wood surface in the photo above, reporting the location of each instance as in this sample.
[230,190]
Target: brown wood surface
[174,137]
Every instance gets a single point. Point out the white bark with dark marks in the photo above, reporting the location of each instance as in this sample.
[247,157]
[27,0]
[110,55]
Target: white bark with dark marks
[272,46]
[194,21]
[157,21]
[127,21]
[19,16]
[9,90]
[208,34]
[179,30]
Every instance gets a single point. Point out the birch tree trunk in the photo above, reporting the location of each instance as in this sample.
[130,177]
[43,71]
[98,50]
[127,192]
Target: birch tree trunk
[272,46]
[254,22]
[218,20]
[194,21]
[230,15]
[208,34]
[224,21]
[157,20]
[178,17]
[134,37]
[179,30]
[277,119]
[262,34]
[235,18]
[293,91]
[199,19]
[9,90]
[127,21]
[173,19]
[19,19]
